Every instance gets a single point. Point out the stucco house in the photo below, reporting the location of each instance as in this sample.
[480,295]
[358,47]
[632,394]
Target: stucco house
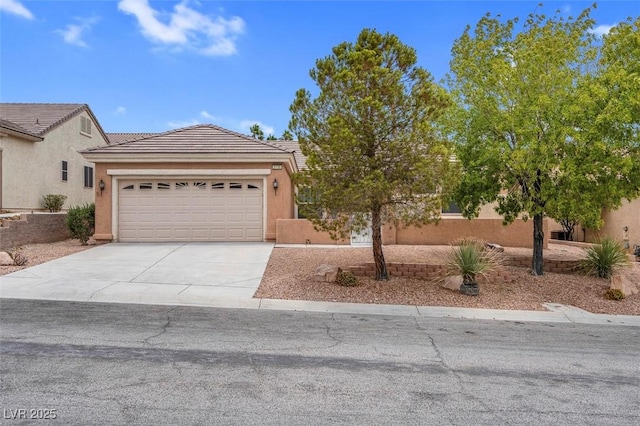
[199,183]
[39,153]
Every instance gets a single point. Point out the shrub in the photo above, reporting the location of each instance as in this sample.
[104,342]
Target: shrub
[346,279]
[605,258]
[54,202]
[19,258]
[614,294]
[469,259]
[81,222]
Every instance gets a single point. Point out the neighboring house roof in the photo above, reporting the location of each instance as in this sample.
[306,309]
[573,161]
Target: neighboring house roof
[297,152]
[115,138]
[39,119]
[17,130]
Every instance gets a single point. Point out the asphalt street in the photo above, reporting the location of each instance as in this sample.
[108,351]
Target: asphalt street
[81,363]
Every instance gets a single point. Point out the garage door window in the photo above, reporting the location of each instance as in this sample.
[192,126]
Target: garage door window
[128,187]
[200,185]
[182,185]
[235,185]
[217,185]
[146,185]
[164,185]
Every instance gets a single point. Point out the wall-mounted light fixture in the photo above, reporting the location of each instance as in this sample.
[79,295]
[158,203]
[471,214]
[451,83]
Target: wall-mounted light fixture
[101,186]
[275,186]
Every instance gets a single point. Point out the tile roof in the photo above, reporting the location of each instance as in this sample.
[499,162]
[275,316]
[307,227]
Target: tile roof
[115,138]
[198,139]
[39,118]
[294,146]
[14,128]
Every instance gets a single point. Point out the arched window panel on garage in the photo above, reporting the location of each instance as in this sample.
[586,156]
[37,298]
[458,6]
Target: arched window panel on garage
[252,186]
[200,185]
[235,185]
[146,185]
[129,187]
[217,185]
[182,185]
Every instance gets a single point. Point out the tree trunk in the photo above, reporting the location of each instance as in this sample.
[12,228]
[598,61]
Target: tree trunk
[378,255]
[538,242]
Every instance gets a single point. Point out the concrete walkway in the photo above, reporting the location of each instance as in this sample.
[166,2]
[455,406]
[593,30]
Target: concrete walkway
[224,275]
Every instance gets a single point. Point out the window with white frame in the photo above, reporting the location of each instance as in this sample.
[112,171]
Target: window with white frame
[85,126]
[88,177]
[64,172]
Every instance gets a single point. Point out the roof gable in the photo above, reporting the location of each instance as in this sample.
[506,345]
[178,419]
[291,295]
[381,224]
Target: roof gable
[199,139]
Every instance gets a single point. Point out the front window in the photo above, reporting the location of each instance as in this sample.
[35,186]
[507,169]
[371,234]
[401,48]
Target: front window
[88,177]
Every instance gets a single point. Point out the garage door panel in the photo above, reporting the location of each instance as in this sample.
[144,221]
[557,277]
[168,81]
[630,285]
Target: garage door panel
[198,210]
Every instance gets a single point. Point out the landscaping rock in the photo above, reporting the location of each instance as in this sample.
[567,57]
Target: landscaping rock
[5,259]
[624,283]
[326,273]
[493,246]
[453,282]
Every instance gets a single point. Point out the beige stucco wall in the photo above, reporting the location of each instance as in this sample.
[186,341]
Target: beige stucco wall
[614,221]
[279,204]
[518,234]
[33,169]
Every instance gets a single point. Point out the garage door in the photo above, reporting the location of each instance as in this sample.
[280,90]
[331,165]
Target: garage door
[190,210]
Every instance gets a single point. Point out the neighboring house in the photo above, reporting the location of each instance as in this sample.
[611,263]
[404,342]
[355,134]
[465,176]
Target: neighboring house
[39,153]
[199,183]
[615,222]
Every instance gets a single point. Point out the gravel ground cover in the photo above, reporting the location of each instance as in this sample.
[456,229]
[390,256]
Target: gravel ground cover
[40,253]
[288,276]
[289,271]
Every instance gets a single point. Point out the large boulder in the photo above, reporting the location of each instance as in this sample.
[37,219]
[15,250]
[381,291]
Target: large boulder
[5,259]
[326,273]
[453,282]
[625,283]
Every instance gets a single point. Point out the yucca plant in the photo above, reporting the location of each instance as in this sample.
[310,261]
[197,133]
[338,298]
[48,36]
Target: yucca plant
[470,259]
[605,258]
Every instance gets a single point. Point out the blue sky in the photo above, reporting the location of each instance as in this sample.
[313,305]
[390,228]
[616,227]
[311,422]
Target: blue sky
[151,66]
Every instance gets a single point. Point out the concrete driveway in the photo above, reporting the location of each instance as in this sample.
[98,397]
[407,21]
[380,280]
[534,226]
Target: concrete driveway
[201,274]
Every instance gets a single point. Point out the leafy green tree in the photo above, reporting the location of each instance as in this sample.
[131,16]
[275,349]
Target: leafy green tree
[256,131]
[372,150]
[271,137]
[287,135]
[535,124]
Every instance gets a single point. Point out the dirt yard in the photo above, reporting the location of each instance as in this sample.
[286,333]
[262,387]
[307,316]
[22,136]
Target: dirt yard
[289,271]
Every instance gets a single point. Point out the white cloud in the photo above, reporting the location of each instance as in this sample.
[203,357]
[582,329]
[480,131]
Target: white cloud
[15,7]
[120,110]
[246,124]
[208,116]
[186,28]
[72,34]
[601,30]
[180,124]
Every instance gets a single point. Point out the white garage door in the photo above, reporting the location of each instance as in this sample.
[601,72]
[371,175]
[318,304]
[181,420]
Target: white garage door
[190,210]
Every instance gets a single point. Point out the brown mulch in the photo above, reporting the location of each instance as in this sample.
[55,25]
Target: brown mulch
[288,276]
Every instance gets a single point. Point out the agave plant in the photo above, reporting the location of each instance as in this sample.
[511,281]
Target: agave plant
[470,259]
[605,258]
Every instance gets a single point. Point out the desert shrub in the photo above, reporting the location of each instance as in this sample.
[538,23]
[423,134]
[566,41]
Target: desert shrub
[81,222]
[469,241]
[469,259]
[54,202]
[19,258]
[346,279]
[614,294]
[604,259]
